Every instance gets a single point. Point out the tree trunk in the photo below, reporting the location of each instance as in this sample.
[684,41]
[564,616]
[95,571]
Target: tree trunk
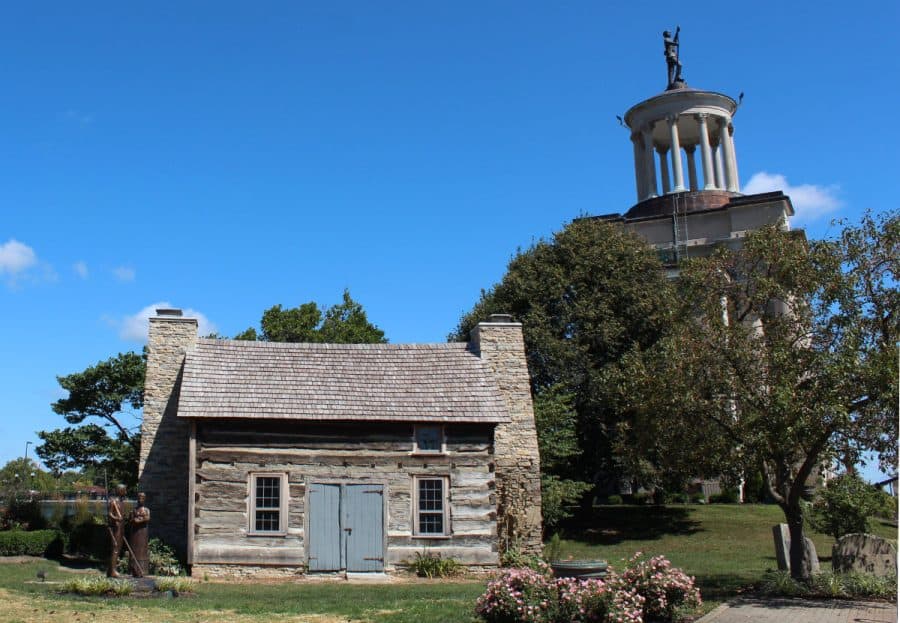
[800,556]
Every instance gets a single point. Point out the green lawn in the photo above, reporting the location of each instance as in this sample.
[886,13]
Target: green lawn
[726,547]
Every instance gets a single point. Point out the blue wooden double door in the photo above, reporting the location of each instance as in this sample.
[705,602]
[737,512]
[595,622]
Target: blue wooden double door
[346,527]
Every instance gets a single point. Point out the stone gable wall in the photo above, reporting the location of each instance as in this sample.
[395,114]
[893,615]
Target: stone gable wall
[163,470]
[517,461]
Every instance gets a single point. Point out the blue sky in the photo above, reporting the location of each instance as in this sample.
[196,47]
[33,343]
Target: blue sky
[225,157]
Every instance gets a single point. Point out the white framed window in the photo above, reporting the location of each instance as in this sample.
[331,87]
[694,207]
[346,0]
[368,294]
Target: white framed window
[429,439]
[432,503]
[268,504]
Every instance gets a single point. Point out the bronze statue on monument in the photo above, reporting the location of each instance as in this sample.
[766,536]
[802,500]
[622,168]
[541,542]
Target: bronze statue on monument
[673,63]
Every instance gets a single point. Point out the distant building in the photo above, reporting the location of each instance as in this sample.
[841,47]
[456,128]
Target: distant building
[686,176]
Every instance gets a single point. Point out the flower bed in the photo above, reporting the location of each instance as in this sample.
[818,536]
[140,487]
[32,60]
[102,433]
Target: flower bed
[647,591]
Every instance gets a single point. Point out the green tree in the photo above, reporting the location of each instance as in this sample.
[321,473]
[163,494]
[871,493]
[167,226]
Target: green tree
[585,298]
[109,394]
[555,420]
[844,506]
[782,358]
[104,400]
[343,323]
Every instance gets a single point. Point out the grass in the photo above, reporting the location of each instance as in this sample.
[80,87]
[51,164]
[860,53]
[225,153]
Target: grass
[726,547]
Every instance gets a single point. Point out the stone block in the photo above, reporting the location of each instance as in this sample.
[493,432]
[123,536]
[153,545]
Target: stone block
[865,553]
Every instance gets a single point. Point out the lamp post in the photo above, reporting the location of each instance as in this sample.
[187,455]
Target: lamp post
[27,443]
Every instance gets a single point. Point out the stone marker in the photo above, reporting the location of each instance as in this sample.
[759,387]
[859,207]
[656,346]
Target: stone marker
[866,553]
[782,535]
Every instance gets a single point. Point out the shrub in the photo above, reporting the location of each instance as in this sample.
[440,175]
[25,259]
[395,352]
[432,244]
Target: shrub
[516,559]
[614,499]
[781,583]
[98,585]
[518,595]
[647,590]
[35,543]
[590,601]
[698,498]
[833,585]
[24,514]
[867,585]
[558,495]
[844,506]
[665,589]
[178,584]
[728,496]
[433,566]
[163,560]
[642,497]
[679,498]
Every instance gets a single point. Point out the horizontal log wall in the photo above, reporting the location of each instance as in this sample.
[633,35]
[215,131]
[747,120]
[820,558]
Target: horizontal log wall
[228,452]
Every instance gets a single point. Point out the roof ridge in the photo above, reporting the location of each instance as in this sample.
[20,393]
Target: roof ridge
[334,346]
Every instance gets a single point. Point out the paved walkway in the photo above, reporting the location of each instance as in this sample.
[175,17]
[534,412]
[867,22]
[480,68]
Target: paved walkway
[784,610]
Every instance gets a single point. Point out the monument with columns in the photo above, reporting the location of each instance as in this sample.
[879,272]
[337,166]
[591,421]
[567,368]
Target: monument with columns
[685,207]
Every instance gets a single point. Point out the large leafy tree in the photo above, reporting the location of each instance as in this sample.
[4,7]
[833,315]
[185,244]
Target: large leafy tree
[783,358]
[104,400]
[110,393]
[343,323]
[585,298]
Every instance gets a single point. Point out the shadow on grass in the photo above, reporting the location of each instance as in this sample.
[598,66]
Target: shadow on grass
[610,525]
[723,587]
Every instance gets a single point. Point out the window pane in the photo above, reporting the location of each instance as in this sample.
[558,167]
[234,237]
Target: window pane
[431,523]
[267,504]
[267,521]
[431,506]
[431,495]
[428,438]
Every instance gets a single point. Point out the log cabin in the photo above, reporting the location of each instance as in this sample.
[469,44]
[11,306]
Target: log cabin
[277,459]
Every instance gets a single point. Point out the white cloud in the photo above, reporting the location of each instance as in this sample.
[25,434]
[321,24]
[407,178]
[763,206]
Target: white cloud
[81,269]
[78,117]
[134,327]
[125,274]
[810,201]
[16,258]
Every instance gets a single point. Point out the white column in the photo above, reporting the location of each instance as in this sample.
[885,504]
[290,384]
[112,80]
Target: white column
[734,167]
[709,181]
[720,169]
[639,168]
[649,163]
[664,169]
[675,147]
[692,166]
[727,156]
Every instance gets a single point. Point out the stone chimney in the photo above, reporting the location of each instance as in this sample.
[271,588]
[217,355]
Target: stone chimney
[163,469]
[500,343]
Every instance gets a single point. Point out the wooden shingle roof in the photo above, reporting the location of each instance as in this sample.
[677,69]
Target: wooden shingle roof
[383,382]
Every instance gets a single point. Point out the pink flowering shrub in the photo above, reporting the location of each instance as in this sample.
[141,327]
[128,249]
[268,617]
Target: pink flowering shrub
[665,588]
[518,596]
[646,592]
[525,596]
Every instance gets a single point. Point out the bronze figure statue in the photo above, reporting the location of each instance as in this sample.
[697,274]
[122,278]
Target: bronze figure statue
[115,519]
[140,553]
[673,63]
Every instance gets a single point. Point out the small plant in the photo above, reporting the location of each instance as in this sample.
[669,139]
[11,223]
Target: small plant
[615,500]
[827,584]
[179,584]
[433,566]
[163,560]
[515,558]
[98,585]
[518,595]
[552,550]
[867,585]
[781,583]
